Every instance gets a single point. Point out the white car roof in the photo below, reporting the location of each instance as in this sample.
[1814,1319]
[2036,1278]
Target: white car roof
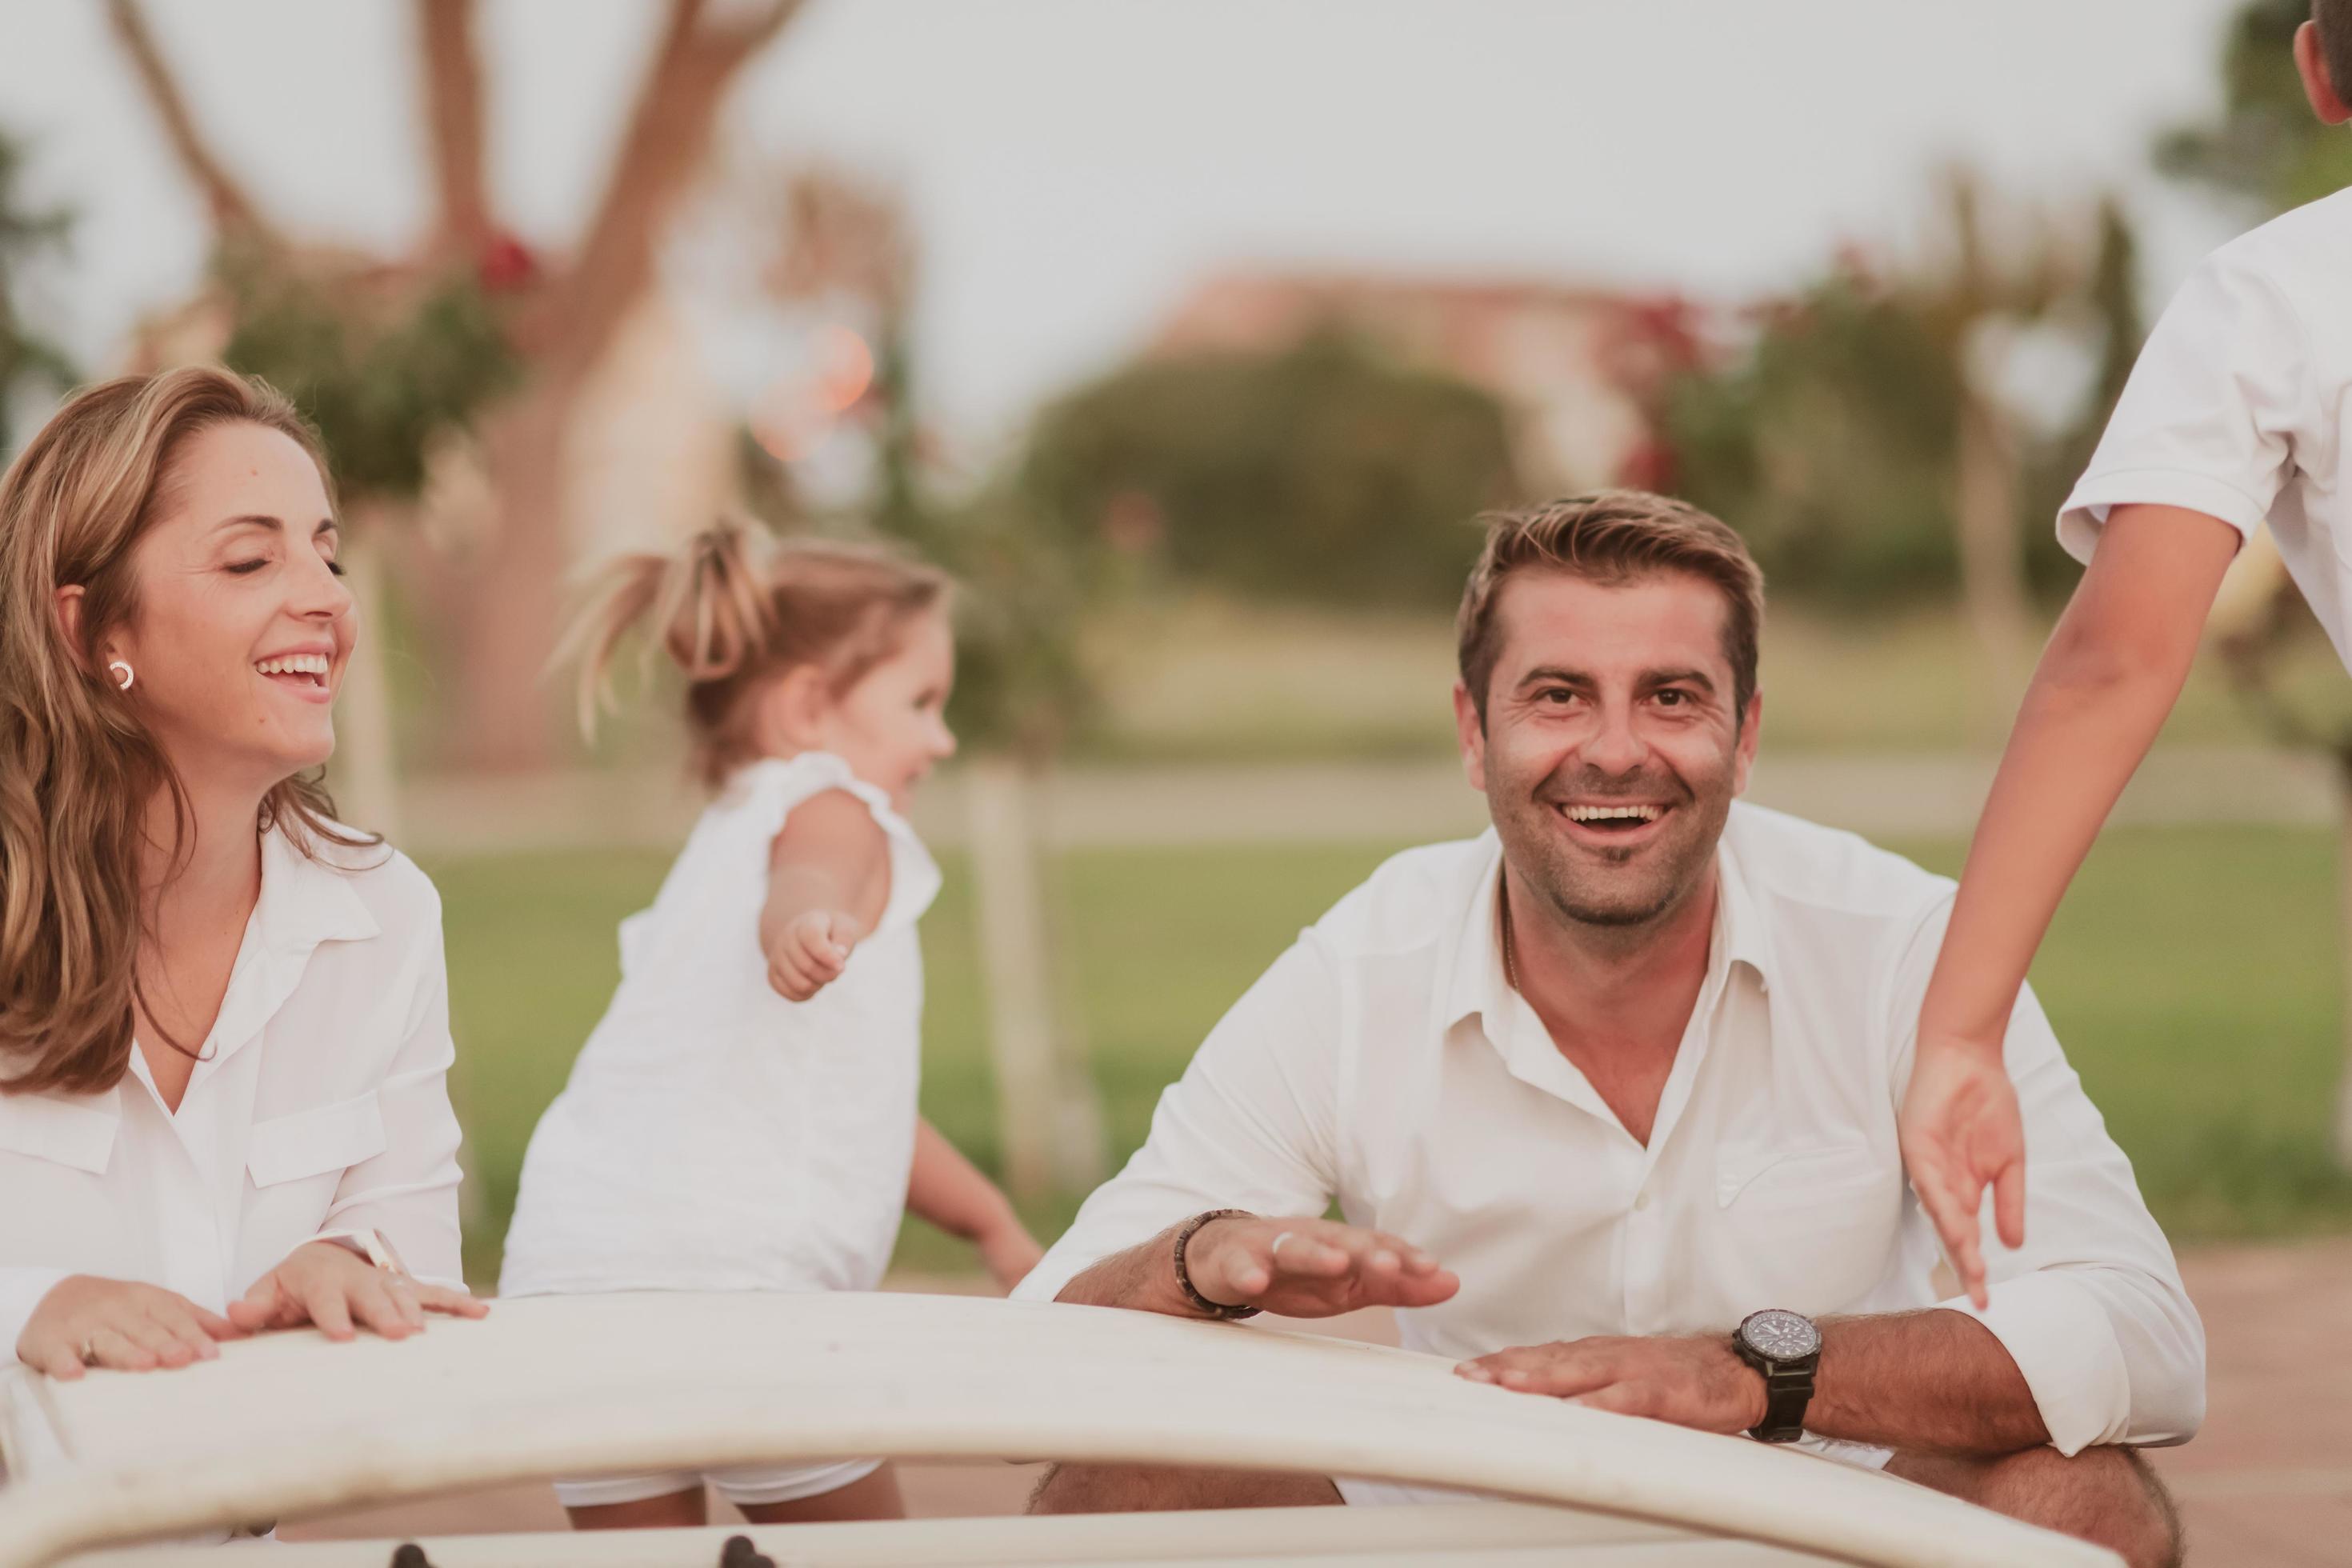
[289,1424]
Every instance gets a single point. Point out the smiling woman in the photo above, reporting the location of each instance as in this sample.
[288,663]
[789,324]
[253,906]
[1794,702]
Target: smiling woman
[224,1029]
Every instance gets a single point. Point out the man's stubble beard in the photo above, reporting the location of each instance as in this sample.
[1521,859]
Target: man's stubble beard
[1565,877]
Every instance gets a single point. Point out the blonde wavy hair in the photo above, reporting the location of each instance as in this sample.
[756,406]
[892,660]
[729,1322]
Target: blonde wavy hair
[78,771]
[734,608]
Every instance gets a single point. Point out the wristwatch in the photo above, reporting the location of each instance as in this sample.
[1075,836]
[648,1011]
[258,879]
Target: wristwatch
[1786,1348]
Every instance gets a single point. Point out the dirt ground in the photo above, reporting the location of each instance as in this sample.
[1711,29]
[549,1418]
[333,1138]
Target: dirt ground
[2268,1481]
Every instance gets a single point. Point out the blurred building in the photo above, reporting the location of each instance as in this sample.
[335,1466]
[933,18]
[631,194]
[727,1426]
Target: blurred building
[1583,370]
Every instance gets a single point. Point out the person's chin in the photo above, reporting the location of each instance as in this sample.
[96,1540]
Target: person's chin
[304,754]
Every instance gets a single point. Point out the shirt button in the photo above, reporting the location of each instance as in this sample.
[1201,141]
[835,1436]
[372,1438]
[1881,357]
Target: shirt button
[1641,1202]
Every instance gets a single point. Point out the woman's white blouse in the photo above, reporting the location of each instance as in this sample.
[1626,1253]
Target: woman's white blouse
[321,1104]
[715,1136]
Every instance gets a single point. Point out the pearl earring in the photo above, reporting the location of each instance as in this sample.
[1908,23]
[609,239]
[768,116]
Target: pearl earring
[123,676]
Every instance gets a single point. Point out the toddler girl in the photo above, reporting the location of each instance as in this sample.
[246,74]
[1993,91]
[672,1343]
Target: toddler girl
[744,1117]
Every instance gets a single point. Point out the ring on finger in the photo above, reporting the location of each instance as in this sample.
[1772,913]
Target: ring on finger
[1280,1237]
[88,1352]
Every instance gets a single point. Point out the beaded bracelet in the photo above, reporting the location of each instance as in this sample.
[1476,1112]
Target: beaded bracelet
[1202,1304]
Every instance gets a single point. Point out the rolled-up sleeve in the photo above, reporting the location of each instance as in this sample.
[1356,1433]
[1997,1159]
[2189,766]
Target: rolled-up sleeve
[2091,1308]
[21,1290]
[1250,1126]
[409,1192]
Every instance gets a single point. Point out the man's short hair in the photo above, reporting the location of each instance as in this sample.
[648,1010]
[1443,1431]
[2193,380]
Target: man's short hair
[2334,20]
[1612,537]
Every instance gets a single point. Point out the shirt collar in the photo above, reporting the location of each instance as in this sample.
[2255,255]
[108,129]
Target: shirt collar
[305,901]
[1739,921]
[1477,985]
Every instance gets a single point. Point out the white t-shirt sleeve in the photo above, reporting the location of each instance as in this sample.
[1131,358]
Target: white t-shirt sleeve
[914,875]
[2207,421]
[1251,1125]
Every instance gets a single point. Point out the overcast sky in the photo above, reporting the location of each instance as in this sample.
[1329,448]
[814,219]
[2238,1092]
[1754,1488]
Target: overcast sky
[1073,164]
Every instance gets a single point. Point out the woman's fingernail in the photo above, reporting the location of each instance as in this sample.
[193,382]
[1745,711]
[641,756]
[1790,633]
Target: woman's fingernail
[1474,1374]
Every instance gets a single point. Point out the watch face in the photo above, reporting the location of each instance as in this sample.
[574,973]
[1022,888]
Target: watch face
[1780,1336]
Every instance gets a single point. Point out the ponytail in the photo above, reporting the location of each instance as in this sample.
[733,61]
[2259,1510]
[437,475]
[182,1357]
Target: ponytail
[707,604]
[732,608]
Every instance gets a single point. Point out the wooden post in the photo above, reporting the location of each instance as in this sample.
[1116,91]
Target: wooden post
[1992,559]
[366,782]
[1017,971]
[2343,1128]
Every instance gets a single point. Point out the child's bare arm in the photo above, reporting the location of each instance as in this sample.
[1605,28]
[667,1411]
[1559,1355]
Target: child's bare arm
[949,1191]
[828,883]
[2107,683]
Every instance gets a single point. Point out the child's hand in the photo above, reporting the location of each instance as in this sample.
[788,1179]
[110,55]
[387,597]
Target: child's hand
[1010,1252]
[1961,1133]
[810,953]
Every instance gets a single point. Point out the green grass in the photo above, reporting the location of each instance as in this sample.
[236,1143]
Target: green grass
[2193,976]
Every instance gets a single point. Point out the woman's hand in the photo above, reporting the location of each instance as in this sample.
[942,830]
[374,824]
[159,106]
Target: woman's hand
[810,953]
[87,1322]
[328,1284]
[1009,1251]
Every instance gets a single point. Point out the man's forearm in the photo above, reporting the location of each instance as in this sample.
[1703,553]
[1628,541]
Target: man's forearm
[1143,1279]
[1936,1380]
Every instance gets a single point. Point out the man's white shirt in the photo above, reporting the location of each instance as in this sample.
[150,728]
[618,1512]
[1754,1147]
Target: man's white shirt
[1383,1063]
[2238,406]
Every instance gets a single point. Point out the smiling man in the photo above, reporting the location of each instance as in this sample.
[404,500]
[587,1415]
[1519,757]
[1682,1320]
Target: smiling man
[1607,1097]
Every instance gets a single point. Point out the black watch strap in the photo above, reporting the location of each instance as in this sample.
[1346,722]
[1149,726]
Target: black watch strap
[1787,1389]
[1785,1349]
[1226,1311]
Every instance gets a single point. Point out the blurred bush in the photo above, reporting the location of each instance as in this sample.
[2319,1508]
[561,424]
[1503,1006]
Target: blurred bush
[2267,147]
[30,363]
[1853,431]
[385,363]
[1323,473]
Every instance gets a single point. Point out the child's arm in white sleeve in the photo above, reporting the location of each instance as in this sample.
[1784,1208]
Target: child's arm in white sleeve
[2107,683]
[828,883]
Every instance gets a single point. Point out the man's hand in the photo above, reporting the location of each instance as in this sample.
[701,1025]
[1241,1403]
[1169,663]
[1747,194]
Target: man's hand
[87,1322]
[1312,1267]
[809,955]
[328,1284]
[1696,1381]
[1960,1132]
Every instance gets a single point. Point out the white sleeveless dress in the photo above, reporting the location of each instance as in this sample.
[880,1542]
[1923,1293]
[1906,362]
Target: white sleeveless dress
[715,1136]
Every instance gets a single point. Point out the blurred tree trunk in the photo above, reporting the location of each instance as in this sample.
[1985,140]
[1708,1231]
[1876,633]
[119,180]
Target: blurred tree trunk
[1993,591]
[2252,627]
[2342,1132]
[512,603]
[367,788]
[1049,1118]
[502,610]
[1015,968]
